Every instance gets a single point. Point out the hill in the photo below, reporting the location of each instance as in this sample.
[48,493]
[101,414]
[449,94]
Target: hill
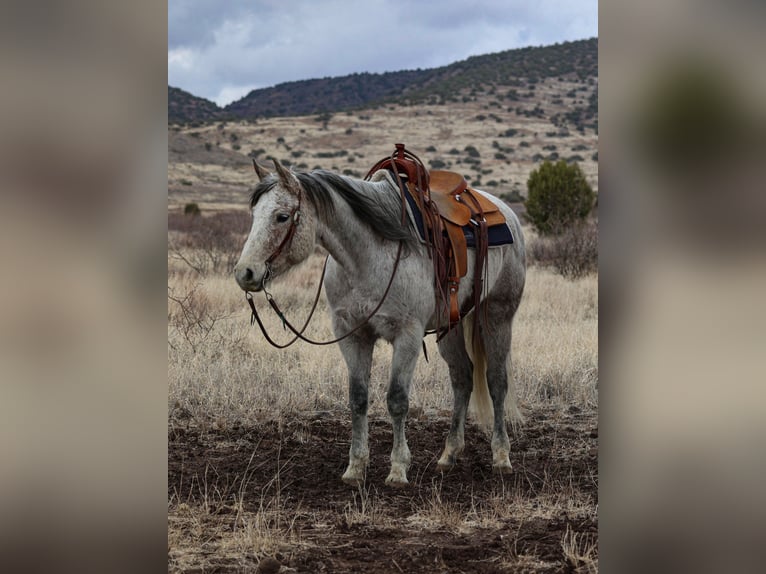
[324,95]
[184,107]
[523,67]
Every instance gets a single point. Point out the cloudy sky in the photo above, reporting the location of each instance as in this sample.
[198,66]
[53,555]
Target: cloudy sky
[222,49]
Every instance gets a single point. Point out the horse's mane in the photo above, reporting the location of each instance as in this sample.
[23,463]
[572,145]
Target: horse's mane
[379,206]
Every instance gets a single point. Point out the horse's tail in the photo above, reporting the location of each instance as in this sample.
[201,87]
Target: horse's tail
[481,402]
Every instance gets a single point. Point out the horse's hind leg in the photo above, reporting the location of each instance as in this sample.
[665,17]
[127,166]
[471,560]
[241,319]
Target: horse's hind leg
[358,355]
[497,340]
[406,349]
[452,349]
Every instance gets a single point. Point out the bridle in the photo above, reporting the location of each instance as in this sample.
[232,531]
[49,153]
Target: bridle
[295,218]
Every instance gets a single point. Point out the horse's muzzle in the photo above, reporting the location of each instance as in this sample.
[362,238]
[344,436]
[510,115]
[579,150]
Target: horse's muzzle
[246,278]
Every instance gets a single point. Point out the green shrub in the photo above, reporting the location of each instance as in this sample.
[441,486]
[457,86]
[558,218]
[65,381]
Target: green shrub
[472,151]
[437,164]
[557,196]
[191,209]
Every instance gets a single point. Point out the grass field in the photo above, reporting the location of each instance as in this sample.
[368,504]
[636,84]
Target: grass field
[258,439]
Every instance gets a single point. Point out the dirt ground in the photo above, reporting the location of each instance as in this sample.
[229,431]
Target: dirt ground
[268,497]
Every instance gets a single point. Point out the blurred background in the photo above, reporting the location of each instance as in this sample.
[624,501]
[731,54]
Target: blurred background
[682,280]
[82,300]
[82,303]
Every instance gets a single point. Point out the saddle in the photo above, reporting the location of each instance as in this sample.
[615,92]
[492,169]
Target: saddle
[447,208]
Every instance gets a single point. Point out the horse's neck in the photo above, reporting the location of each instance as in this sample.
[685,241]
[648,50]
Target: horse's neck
[348,240]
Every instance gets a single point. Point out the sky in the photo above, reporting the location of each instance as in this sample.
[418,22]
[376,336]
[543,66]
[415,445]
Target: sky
[223,49]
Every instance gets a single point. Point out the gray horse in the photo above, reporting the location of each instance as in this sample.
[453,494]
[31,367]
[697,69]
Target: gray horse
[360,224]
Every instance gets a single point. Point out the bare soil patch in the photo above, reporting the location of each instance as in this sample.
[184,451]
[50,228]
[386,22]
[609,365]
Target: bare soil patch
[245,494]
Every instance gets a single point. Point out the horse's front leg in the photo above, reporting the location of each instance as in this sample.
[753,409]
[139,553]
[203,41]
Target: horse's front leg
[358,355]
[406,349]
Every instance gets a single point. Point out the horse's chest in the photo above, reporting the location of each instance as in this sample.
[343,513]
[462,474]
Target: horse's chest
[354,309]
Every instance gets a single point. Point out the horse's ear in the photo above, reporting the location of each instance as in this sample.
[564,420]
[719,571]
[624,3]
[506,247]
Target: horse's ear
[259,171]
[287,178]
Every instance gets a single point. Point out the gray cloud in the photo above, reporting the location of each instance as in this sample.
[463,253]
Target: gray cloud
[222,50]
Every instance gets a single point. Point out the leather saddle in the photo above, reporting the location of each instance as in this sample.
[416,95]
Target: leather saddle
[447,205]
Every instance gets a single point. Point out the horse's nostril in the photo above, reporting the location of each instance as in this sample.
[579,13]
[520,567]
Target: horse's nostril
[248,274]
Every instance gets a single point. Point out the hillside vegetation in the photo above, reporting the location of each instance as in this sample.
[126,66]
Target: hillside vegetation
[493,118]
[517,68]
[184,107]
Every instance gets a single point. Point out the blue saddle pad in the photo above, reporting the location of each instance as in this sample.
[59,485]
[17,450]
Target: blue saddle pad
[497,234]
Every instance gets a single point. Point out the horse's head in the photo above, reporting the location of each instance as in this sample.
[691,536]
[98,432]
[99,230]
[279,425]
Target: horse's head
[283,231]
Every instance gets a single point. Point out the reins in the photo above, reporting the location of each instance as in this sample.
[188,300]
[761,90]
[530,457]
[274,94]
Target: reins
[255,318]
[299,334]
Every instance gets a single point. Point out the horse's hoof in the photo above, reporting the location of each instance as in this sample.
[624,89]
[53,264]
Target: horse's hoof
[446,463]
[397,482]
[353,480]
[397,479]
[504,468]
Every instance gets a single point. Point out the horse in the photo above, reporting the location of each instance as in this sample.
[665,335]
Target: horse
[377,263]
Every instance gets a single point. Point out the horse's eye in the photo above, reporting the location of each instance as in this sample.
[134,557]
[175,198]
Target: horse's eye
[282,217]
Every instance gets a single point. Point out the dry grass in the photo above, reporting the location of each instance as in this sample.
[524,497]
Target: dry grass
[249,536]
[581,551]
[364,508]
[572,253]
[221,369]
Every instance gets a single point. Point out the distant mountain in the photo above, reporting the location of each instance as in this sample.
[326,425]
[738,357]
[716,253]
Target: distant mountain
[520,67]
[326,94]
[183,107]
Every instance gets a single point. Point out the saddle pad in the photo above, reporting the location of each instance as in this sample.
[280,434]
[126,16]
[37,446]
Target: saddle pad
[498,234]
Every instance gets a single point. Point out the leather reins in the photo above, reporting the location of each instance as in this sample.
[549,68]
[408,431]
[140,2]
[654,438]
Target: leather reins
[295,217]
